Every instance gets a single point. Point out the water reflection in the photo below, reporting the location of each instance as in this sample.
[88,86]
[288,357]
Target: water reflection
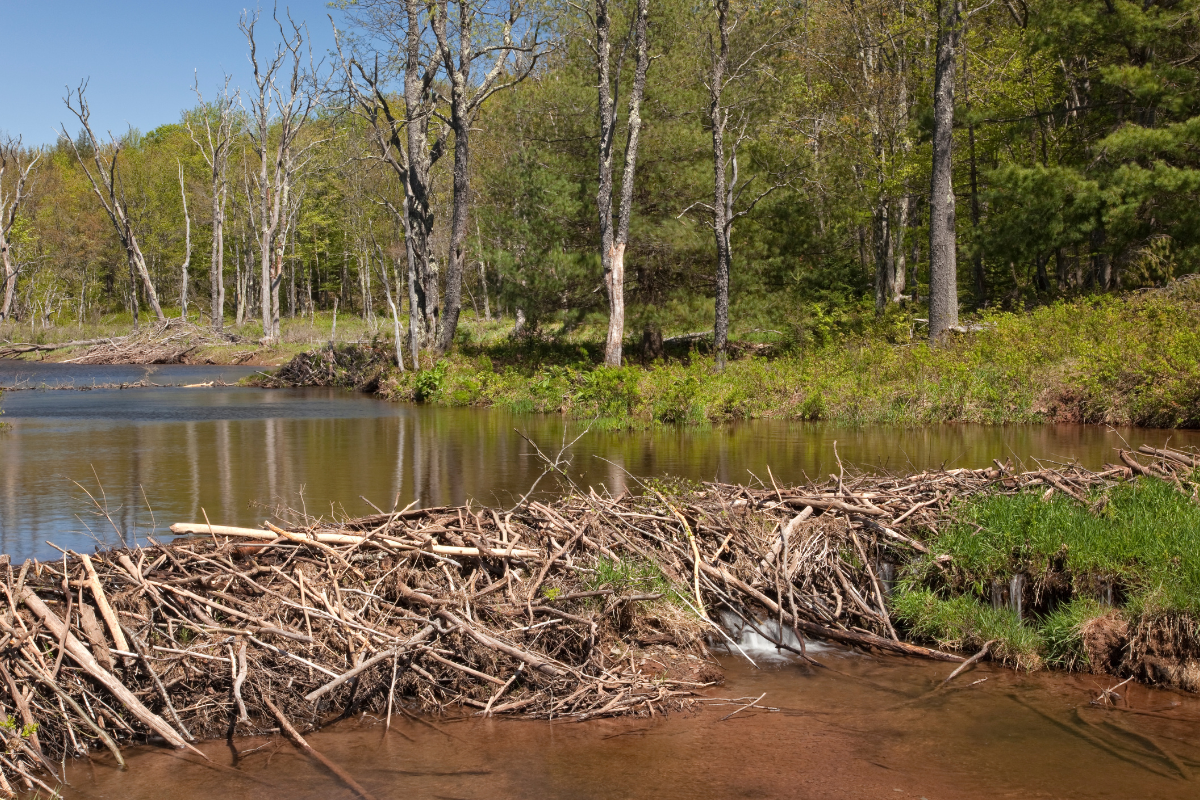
[157,456]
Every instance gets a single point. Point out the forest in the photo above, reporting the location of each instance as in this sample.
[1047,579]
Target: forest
[797,169]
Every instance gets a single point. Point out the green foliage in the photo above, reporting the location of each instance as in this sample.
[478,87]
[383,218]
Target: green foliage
[429,383]
[1145,537]
[628,576]
[1133,360]
[1062,633]
[962,623]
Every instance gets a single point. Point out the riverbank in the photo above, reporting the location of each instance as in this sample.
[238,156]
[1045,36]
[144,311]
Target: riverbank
[1132,360]
[1113,360]
[591,605]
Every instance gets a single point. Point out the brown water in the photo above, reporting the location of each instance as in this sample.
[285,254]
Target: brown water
[856,730]
[158,456]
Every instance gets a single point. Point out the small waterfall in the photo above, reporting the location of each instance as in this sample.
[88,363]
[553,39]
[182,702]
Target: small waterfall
[1106,592]
[887,576]
[760,647]
[1016,591]
[998,597]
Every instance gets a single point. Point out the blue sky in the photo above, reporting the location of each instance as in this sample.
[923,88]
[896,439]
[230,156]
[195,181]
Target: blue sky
[139,56]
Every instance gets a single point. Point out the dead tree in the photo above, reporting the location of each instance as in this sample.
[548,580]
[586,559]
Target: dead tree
[187,255]
[107,184]
[285,96]
[21,162]
[614,234]
[212,132]
[510,63]
[403,137]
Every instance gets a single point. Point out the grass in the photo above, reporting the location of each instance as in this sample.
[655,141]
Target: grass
[1138,543]
[1119,360]
[1113,360]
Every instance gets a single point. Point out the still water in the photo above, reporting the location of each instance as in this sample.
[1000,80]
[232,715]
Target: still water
[155,456]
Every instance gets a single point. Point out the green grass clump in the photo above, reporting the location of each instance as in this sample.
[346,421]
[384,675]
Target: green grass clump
[963,623]
[1062,633]
[1145,537]
[1140,539]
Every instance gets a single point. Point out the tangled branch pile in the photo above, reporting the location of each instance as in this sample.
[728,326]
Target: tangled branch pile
[166,342]
[589,606]
[356,366]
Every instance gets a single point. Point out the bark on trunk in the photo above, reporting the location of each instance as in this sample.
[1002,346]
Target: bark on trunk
[722,197]
[613,242]
[10,279]
[217,262]
[452,304]
[943,266]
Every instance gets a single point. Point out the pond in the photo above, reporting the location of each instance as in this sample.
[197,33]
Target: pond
[154,456]
[860,727]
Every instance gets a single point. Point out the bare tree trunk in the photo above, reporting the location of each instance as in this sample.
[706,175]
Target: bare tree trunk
[900,278]
[487,306]
[719,117]
[11,156]
[113,200]
[943,264]
[217,261]
[613,243]
[452,305]
[215,149]
[281,106]
[187,257]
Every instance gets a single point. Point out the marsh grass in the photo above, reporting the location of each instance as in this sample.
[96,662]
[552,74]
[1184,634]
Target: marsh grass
[1137,544]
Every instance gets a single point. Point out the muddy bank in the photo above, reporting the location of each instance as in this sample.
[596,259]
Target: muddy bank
[589,607]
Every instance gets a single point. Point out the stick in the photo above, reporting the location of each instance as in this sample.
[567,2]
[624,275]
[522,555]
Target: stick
[106,611]
[85,659]
[743,708]
[983,651]
[370,662]
[308,750]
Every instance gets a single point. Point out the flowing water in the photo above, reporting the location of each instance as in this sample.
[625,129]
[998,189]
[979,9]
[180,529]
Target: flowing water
[154,456]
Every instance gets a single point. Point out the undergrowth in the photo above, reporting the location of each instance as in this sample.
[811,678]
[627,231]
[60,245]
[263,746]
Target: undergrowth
[1114,360]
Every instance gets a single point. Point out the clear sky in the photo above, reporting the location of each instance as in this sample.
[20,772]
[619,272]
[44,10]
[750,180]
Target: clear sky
[140,56]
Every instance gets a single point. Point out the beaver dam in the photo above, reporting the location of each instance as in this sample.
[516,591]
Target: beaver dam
[592,605]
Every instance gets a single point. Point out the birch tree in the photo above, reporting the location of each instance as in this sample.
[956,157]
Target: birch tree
[511,61]
[212,131]
[614,233]
[410,139]
[727,68]
[18,162]
[284,100]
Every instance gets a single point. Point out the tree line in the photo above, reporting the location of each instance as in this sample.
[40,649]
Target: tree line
[802,164]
